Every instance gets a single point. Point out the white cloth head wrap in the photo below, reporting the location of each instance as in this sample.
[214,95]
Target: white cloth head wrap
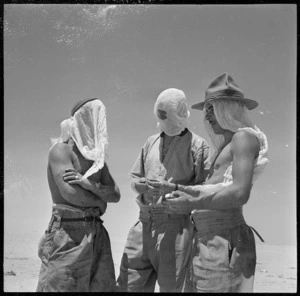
[87,127]
[174,103]
[65,127]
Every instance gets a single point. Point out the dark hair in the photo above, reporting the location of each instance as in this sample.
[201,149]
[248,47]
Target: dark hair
[80,104]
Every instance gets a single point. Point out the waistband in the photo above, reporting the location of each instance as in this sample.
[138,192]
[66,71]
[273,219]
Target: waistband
[64,213]
[155,212]
[68,212]
[207,221]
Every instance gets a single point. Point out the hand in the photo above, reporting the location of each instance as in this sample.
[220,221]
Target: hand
[178,202]
[160,187]
[141,185]
[73,177]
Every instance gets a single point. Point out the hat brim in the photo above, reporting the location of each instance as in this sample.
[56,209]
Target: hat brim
[250,104]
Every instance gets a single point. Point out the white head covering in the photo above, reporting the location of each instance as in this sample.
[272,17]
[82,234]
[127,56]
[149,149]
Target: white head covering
[174,103]
[65,127]
[87,127]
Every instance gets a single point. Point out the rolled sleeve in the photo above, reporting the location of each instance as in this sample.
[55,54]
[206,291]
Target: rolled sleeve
[138,169]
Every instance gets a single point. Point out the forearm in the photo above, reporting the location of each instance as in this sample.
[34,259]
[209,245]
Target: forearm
[219,199]
[83,198]
[193,187]
[60,160]
[108,193]
[191,190]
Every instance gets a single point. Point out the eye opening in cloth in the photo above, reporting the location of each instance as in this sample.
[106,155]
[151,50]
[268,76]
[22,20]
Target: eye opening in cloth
[161,114]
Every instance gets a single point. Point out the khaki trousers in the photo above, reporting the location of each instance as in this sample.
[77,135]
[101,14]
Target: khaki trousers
[157,249]
[223,258]
[76,256]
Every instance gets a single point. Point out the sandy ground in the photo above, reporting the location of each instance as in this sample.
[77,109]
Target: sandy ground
[276,269]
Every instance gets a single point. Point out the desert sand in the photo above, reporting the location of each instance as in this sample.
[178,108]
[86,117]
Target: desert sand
[276,269]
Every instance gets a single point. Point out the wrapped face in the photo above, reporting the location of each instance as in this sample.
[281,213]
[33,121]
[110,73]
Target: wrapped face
[171,111]
[90,134]
[87,128]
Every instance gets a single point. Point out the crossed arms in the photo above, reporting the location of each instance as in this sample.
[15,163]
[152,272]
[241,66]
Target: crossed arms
[60,159]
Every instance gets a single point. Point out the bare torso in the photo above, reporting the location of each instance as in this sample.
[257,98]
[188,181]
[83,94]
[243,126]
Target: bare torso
[221,163]
[218,168]
[81,165]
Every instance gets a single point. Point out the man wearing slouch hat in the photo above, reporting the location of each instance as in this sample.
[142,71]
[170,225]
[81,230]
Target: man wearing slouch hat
[224,256]
[75,249]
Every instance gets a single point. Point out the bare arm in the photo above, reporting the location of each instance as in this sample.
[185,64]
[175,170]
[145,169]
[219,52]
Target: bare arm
[101,183]
[107,189]
[244,149]
[60,158]
[191,190]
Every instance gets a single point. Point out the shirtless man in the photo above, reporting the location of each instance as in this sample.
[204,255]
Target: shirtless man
[158,245]
[224,255]
[75,249]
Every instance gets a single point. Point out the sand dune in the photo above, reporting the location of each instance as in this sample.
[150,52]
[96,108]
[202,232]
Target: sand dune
[276,269]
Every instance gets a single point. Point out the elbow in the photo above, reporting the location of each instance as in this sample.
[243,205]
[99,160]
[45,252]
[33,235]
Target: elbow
[132,184]
[117,197]
[242,197]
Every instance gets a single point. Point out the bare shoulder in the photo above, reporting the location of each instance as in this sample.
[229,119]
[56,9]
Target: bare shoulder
[60,151]
[245,141]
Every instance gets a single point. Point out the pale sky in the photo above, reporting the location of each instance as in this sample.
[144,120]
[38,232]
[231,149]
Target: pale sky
[55,55]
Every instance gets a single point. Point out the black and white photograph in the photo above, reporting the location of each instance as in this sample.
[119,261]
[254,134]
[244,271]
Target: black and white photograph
[149,147]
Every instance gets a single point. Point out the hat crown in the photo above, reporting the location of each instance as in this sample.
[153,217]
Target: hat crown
[223,86]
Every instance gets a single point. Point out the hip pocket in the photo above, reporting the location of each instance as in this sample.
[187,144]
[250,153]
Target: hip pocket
[215,252]
[45,245]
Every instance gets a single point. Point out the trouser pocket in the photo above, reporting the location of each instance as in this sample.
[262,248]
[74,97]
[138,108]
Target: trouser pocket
[46,244]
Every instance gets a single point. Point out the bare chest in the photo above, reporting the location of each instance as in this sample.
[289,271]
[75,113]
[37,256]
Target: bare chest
[220,165]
